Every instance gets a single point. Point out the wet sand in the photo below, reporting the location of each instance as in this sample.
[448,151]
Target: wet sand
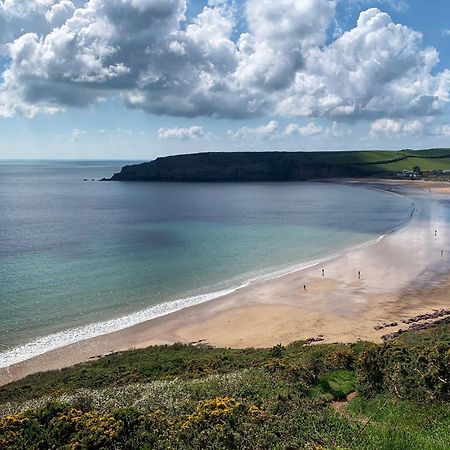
[401,276]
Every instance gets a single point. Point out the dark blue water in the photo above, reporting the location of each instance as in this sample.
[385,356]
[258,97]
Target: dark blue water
[74,253]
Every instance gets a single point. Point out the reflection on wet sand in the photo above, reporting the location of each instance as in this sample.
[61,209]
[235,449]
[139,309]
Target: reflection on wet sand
[404,275]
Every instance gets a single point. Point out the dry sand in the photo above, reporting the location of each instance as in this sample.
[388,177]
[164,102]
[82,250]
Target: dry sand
[401,276]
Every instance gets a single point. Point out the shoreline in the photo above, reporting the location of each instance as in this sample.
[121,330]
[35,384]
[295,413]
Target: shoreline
[339,306]
[99,329]
[44,344]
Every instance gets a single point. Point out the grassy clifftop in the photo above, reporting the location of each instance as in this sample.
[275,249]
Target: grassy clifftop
[284,166]
[358,396]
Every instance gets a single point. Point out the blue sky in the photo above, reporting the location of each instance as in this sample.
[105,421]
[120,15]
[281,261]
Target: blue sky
[78,81]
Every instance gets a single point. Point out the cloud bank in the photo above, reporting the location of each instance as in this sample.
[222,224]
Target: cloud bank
[64,54]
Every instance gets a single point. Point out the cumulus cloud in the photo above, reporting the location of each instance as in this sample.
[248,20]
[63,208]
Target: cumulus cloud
[193,132]
[376,69]
[75,53]
[391,127]
[60,12]
[280,34]
[264,131]
[311,130]
[18,17]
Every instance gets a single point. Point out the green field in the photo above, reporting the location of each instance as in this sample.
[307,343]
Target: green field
[294,397]
[355,158]
[387,162]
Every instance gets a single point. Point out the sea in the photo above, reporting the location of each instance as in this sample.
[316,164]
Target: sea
[81,258]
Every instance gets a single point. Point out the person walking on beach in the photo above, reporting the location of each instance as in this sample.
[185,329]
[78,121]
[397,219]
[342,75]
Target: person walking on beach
[304,287]
[435,232]
[323,272]
[442,253]
[359,274]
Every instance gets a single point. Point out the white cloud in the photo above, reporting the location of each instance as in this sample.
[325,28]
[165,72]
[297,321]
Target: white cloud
[60,12]
[412,127]
[146,52]
[443,130]
[193,132]
[264,131]
[18,17]
[76,135]
[446,32]
[376,69]
[385,126]
[280,33]
[391,127]
[311,130]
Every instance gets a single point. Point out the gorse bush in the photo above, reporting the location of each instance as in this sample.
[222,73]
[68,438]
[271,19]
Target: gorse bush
[420,373]
[209,422]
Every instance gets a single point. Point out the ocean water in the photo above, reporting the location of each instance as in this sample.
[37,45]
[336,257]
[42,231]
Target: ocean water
[82,258]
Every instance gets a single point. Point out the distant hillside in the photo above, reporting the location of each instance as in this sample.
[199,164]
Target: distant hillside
[285,166]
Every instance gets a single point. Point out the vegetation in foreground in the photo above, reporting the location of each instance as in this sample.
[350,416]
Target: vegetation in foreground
[358,396]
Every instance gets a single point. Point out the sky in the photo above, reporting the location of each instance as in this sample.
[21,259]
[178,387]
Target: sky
[138,79]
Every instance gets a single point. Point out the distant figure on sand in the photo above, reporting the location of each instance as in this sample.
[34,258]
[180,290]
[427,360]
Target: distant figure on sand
[304,287]
[435,232]
[323,272]
[442,253]
[359,274]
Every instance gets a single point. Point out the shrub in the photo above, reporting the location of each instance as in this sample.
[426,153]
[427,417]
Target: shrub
[369,369]
[421,374]
[342,358]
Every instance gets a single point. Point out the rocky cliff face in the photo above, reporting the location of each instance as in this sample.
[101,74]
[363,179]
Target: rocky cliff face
[248,166]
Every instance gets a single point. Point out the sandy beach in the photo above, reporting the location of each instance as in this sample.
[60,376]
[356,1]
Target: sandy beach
[401,276]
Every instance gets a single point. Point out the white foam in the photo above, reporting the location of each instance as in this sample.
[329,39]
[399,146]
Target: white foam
[53,341]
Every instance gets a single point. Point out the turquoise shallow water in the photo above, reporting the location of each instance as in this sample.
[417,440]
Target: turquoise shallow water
[74,253]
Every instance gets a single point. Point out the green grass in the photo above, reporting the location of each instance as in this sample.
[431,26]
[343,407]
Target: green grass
[184,397]
[430,153]
[425,164]
[402,425]
[358,158]
[177,361]
[379,162]
[154,363]
[338,383]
